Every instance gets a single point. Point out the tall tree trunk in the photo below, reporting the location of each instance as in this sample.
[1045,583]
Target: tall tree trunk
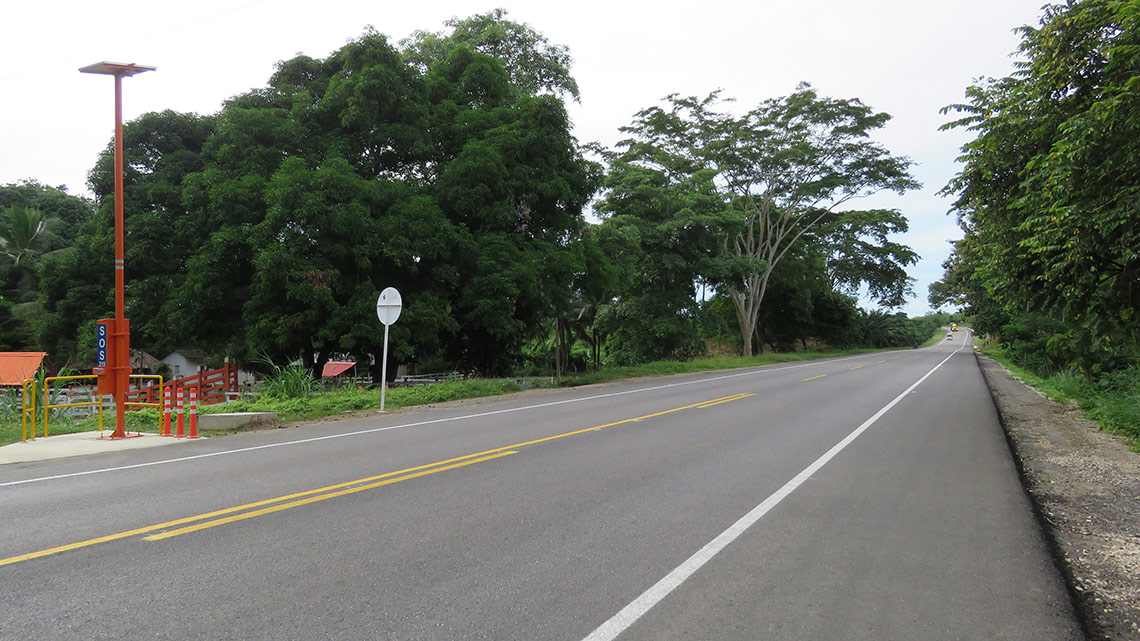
[747,305]
[558,349]
[596,348]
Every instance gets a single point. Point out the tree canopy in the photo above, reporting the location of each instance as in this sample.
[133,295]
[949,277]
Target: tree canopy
[1047,195]
[734,195]
[270,227]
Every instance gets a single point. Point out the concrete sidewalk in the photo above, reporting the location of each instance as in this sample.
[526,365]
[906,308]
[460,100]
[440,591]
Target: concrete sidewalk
[78,444]
[90,442]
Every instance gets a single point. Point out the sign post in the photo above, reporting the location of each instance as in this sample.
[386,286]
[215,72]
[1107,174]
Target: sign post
[388,308]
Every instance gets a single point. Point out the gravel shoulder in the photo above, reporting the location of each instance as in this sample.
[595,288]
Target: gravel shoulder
[1085,484]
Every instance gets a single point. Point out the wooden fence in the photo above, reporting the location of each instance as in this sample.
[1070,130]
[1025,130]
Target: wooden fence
[212,386]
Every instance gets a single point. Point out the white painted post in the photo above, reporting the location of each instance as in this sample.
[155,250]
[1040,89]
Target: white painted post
[384,371]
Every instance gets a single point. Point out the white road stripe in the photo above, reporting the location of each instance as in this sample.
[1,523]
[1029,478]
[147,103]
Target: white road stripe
[625,618]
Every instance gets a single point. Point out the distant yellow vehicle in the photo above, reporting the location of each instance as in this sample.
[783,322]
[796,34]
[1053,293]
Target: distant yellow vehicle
[953,327]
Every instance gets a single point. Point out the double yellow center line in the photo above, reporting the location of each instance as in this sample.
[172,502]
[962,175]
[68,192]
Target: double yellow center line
[718,401]
[161,531]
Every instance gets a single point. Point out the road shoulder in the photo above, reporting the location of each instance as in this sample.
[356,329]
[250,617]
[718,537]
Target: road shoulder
[1086,486]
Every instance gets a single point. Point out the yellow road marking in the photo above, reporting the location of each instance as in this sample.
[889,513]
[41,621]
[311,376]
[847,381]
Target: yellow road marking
[814,377]
[298,499]
[727,399]
[315,499]
[857,367]
[238,508]
[880,362]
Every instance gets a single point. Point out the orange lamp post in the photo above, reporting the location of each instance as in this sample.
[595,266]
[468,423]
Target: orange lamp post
[114,348]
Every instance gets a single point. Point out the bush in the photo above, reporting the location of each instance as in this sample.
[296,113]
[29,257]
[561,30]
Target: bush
[292,381]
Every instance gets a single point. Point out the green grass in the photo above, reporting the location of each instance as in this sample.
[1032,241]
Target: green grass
[1113,401]
[938,336]
[348,400]
[664,368]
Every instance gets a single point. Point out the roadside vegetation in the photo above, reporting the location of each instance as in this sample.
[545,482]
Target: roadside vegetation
[1113,400]
[1048,270]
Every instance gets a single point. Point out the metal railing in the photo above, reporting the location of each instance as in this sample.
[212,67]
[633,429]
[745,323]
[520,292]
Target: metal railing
[31,408]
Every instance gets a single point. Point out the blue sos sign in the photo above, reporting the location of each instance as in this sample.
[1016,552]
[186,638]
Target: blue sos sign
[101,340]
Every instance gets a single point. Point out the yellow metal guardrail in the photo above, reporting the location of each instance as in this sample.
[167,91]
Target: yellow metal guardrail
[30,409]
[157,404]
[48,406]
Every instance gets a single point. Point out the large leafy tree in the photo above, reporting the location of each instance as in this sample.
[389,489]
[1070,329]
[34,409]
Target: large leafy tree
[270,227]
[1048,192]
[160,149]
[762,182]
[658,230]
[516,193]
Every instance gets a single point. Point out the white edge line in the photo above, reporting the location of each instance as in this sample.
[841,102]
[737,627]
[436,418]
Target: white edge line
[761,369]
[626,617]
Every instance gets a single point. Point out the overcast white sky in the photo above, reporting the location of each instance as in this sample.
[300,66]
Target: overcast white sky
[906,57]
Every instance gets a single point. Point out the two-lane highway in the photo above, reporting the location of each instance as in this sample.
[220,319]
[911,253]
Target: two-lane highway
[866,497]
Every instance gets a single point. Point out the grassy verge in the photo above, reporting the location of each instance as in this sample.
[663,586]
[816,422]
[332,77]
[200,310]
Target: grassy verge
[1113,401]
[348,400]
[663,368]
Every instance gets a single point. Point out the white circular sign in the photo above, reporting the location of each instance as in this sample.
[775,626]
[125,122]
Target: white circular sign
[389,305]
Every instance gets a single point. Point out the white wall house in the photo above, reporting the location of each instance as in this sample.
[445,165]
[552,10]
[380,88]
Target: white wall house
[189,361]
[185,362]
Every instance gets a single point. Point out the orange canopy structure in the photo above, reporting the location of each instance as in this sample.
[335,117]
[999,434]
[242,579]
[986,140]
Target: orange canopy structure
[336,368]
[17,367]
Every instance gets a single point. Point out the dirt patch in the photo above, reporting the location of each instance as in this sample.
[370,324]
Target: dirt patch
[1086,485]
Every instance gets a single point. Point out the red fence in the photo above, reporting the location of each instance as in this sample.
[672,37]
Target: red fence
[211,386]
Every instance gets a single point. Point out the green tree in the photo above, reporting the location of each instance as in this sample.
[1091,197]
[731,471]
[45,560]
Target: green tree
[961,287]
[761,182]
[160,149]
[77,288]
[39,223]
[516,193]
[658,238]
[53,202]
[271,226]
[26,235]
[314,249]
[1047,192]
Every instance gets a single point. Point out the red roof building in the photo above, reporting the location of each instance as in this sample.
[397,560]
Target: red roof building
[17,367]
[336,368]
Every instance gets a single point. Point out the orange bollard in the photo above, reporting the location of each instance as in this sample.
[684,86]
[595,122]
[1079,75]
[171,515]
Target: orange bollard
[167,406]
[193,412]
[181,421]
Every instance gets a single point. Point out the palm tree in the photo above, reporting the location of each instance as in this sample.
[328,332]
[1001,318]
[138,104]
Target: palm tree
[26,235]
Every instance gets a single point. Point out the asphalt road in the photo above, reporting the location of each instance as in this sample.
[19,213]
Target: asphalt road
[868,497]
